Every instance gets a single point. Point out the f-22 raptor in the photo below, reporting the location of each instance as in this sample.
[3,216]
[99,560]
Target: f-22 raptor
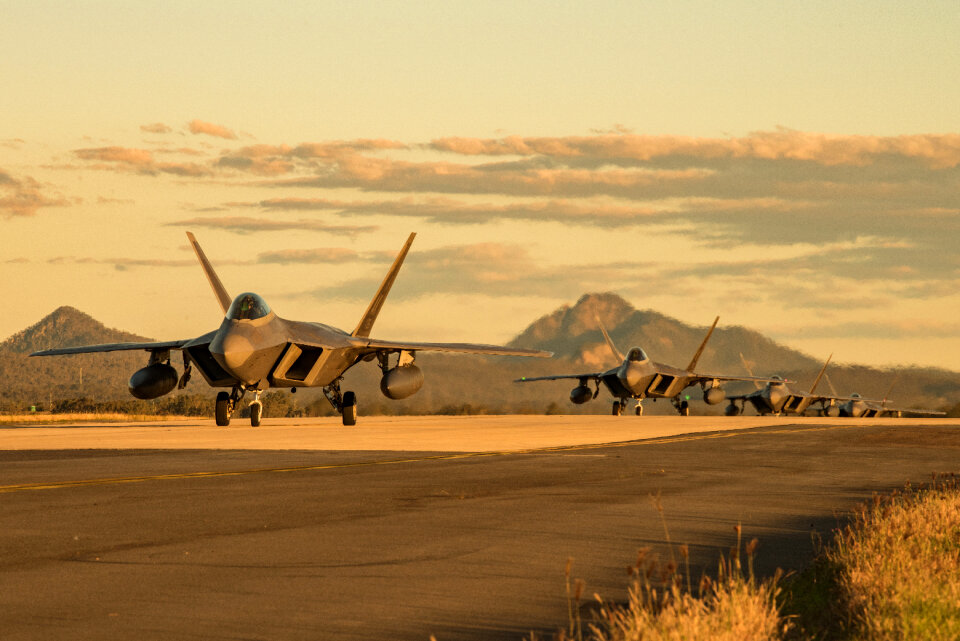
[638,377]
[254,349]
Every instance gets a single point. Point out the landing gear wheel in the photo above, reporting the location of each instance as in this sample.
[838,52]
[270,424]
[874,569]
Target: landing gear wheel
[639,409]
[223,409]
[256,412]
[684,408]
[349,408]
[617,408]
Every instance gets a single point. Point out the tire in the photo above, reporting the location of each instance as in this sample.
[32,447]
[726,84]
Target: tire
[349,409]
[684,408]
[256,413]
[223,409]
[639,410]
[617,408]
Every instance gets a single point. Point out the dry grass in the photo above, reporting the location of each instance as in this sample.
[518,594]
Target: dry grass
[39,418]
[900,565]
[893,574]
[733,608]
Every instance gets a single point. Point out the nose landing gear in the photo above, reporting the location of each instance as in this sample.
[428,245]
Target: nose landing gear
[256,409]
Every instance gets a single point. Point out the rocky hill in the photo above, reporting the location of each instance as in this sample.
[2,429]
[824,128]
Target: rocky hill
[65,327]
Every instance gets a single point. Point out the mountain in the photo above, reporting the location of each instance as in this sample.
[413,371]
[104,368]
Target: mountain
[456,383]
[65,327]
[33,380]
[572,333]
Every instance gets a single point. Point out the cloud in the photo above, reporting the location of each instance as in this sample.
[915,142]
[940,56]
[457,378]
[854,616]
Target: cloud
[156,128]
[274,160]
[494,269]
[140,161]
[937,150]
[24,196]
[210,129]
[588,212]
[308,256]
[247,225]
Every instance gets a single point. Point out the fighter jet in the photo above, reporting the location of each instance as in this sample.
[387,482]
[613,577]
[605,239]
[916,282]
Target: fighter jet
[638,377]
[254,349]
[777,397]
[858,407]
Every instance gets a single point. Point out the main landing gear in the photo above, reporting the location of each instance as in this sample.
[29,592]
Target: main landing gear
[227,404]
[345,403]
[683,407]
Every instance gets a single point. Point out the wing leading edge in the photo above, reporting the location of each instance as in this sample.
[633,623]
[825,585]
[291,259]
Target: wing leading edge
[114,347]
[465,348]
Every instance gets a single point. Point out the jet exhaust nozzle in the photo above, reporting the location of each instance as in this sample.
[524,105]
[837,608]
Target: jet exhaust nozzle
[401,382]
[580,394]
[153,381]
[714,395]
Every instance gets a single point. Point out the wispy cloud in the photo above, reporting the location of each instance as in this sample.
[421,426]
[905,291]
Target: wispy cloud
[938,150]
[23,196]
[583,211]
[142,161]
[210,129]
[156,128]
[247,225]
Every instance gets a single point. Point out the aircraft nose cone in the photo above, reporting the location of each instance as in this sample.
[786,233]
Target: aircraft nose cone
[232,350]
[776,395]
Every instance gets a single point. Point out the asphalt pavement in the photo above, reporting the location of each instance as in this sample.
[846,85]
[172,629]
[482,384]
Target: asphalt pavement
[463,544]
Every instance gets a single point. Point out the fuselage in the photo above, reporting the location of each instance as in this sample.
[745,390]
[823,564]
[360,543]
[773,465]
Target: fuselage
[260,349]
[639,377]
[779,398]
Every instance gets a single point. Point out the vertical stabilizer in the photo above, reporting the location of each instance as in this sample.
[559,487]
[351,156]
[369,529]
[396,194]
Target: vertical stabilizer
[373,310]
[746,366]
[613,348]
[218,290]
[696,357]
[823,370]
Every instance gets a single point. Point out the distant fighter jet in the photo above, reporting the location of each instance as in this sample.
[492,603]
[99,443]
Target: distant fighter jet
[858,407]
[638,377]
[777,397]
[255,349]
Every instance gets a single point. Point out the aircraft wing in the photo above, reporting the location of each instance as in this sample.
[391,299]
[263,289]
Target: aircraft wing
[465,348]
[915,411]
[702,378]
[113,347]
[559,377]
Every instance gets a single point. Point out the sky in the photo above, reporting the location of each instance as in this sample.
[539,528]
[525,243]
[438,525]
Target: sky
[792,167]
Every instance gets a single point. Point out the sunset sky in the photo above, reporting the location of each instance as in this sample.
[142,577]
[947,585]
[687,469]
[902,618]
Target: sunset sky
[794,168]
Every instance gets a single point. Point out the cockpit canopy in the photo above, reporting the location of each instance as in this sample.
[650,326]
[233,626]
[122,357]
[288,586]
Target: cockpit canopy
[855,395]
[777,377]
[248,306]
[636,354]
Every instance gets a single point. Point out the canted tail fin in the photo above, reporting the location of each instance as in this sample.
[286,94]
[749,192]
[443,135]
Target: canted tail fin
[747,367]
[833,390]
[373,310]
[823,370]
[696,357]
[613,348]
[218,289]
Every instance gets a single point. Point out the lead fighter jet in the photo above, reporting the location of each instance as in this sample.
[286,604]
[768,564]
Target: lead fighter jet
[638,377]
[255,349]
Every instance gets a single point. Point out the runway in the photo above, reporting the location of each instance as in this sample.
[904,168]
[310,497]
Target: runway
[405,527]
